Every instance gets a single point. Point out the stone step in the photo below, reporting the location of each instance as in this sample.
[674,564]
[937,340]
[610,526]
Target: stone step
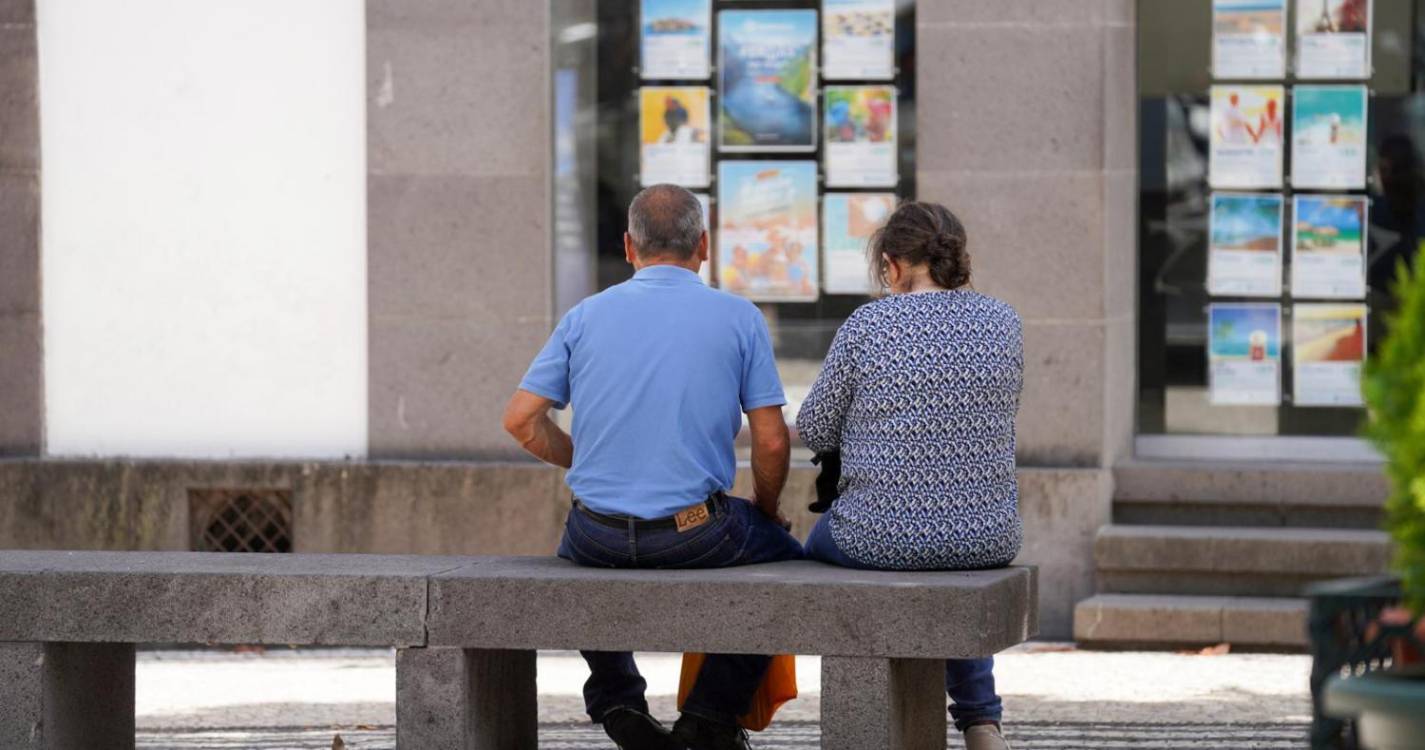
[1231,561]
[1321,495]
[1160,621]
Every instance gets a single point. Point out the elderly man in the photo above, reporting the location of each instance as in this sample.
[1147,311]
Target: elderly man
[659,370]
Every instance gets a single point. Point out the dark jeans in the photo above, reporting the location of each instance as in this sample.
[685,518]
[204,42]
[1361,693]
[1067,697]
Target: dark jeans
[969,682]
[737,534]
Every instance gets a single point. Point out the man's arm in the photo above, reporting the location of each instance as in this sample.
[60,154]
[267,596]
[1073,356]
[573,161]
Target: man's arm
[527,420]
[771,454]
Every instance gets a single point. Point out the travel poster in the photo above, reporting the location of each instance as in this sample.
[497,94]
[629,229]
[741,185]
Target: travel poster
[1328,345]
[860,136]
[705,271]
[676,39]
[767,80]
[1246,138]
[1244,354]
[1328,256]
[1248,39]
[1328,137]
[858,39]
[849,220]
[1245,245]
[767,230]
[675,140]
[1333,39]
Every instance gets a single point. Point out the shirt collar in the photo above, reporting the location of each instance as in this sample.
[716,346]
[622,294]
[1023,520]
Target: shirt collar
[666,273]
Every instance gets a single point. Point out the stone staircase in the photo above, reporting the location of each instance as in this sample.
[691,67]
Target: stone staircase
[1204,554]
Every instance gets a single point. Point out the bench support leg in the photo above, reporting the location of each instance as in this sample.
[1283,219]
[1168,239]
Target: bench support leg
[67,696]
[466,699]
[898,704]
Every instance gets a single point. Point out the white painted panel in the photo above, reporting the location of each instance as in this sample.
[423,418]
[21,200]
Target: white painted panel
[204,250]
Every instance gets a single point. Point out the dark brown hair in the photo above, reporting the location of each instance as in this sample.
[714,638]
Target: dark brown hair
[922,233]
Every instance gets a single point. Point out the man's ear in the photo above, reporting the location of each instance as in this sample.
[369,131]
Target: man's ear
[703,247]
[630,253]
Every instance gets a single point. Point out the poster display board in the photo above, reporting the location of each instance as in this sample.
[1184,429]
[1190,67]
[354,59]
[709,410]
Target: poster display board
[705,271]
[767,80]
[1246,139]
[858,39]
[767,230]
[674,135]
[1328,137]
[1333,39]
[1328,259]
[850,219]
[1328,345]
[1245,248]
[1244,354]
[860,136]
[1248,39]
[675,39]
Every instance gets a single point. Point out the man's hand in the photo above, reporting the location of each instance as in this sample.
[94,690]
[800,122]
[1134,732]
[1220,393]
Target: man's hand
[771,456]
[527,420]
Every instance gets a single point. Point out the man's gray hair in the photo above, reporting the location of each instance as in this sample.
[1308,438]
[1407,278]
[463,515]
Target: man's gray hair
[665,221]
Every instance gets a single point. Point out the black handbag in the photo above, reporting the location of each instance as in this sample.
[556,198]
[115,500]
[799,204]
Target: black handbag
[827,481]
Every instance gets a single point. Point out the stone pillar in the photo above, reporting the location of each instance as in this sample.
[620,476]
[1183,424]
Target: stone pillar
[66,696]
[896,704]
[466,699]
[1045,180]
[459,145]
[21,352]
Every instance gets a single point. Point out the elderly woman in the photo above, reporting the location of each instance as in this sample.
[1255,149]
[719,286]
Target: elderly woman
[918,394]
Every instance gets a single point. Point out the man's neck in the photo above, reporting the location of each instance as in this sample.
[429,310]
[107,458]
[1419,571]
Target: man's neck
[686,265]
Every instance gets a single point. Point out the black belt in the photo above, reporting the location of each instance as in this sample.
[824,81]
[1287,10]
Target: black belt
[622,522]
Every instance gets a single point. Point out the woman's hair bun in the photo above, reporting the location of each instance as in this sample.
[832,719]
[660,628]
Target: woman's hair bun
[924,234]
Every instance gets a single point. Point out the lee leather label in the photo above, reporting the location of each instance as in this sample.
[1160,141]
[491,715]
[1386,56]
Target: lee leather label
[692,517]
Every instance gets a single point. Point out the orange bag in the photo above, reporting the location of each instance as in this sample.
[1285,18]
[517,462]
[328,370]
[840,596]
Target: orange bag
[777,688]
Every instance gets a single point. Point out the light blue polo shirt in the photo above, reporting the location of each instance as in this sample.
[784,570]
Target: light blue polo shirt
[659,370]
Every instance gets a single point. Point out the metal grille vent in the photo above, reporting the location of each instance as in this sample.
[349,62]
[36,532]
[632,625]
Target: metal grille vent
[241,520]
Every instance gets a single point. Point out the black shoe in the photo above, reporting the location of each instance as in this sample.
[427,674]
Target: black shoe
[701,734]
[635,730]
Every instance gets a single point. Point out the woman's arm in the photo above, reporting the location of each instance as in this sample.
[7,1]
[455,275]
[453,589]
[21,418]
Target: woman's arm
[823,413]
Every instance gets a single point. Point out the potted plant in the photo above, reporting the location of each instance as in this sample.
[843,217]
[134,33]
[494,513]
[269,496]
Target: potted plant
[1389,705]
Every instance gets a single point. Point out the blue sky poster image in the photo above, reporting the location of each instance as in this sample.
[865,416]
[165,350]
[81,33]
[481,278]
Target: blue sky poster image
[767,80]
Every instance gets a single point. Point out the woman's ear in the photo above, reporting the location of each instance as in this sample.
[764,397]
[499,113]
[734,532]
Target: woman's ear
[893,273]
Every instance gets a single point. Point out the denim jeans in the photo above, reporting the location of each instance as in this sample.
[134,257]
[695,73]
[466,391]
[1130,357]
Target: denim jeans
[969,682]
[737,534]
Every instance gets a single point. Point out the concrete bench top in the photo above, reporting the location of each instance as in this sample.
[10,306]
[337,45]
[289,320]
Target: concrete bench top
[508,603]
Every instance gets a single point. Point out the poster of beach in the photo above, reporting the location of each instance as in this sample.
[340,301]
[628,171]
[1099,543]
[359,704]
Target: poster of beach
[675,39]
[767,230]
[1328,137]
[860,136]
[1246,138]
[1329,247]
[858,39]
[1333,39]
[674,135]
[1328,344]
[1248,38]
[1245,245]
[1244,354]
[850,219]
[767,80]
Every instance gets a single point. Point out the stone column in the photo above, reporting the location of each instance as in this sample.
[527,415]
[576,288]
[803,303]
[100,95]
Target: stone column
[896,704]
[459,145]
[66,696]
[21,352]
[466,699]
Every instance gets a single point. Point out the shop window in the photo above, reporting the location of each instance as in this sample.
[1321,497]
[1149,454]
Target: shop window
[1281,183]
[794,121]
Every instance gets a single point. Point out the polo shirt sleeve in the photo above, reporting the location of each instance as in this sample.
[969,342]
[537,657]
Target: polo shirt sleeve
[548,374]
[761,385]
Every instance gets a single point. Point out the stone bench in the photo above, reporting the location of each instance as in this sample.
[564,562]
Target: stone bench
[467,629]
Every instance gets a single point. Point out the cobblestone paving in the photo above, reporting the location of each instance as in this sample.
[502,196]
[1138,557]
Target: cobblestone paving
[791,736]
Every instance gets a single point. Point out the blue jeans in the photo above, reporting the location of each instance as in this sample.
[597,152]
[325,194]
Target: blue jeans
[969,682]
[737,534]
